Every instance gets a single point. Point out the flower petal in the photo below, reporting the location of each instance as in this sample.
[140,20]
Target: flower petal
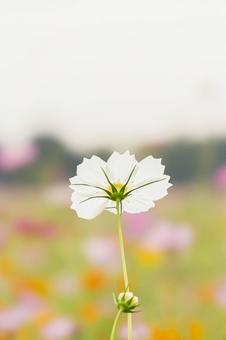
[142,199]
[152,192]
[111,207]
[90,208]
[89,171]
[136,203]
[149,168]
[84,189]
[119,166]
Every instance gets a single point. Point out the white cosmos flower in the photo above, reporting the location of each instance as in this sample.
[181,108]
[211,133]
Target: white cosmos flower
[99,184]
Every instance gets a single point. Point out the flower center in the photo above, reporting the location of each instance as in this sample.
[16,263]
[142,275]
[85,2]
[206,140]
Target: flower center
[118,186]
[116,192]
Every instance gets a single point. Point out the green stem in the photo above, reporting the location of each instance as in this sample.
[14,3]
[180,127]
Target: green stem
[114,325]
[129,326]
[124,268]
[123,258]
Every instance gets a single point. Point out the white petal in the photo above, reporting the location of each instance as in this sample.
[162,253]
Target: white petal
[84,190]
[135,204]
[142,199]
[148,169]
[150,193]
[89,171]
[90,208]
[119,166]
[111,207]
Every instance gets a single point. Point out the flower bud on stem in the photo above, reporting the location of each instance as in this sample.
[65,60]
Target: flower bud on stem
[126,281]
[126,302]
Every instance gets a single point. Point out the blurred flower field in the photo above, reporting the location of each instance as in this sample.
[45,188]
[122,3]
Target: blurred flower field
[57,271]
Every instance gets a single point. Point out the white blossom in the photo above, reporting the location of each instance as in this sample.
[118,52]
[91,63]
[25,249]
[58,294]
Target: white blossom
[98,185]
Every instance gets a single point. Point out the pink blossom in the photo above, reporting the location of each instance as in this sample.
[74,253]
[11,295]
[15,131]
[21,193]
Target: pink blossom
[58,328]
[220,177]
[14,317]
[167,237]
[136,225]
[155,235]
[220,294]
[102,251]
[28,227]
[17,157]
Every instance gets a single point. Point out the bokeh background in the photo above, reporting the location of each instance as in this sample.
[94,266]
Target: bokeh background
[89,77]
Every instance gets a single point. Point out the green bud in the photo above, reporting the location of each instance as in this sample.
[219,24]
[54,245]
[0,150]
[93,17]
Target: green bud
[127,302]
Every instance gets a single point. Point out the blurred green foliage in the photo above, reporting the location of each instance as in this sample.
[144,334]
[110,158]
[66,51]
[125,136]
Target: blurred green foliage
[185,160]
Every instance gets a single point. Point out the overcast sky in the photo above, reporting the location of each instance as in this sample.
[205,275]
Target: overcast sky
[99,72]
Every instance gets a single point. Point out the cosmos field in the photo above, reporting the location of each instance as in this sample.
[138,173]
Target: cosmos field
[58,272]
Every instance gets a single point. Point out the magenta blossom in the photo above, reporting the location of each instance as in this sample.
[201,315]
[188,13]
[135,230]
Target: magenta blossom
[220,177]
[17,157]
[30,227]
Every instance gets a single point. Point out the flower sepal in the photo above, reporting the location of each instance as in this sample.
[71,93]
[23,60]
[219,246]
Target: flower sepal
[126,301]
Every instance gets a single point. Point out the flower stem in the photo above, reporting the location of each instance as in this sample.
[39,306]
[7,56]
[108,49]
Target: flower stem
[129,326]
[114,325]
[124,268]
[123,258]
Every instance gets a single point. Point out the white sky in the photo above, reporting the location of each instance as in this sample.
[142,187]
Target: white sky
[99,72]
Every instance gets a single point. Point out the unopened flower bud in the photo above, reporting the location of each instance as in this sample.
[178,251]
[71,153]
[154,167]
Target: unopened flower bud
[127,302]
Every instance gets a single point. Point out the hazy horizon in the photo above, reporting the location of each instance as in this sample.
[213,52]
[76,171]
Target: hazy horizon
[101,73]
